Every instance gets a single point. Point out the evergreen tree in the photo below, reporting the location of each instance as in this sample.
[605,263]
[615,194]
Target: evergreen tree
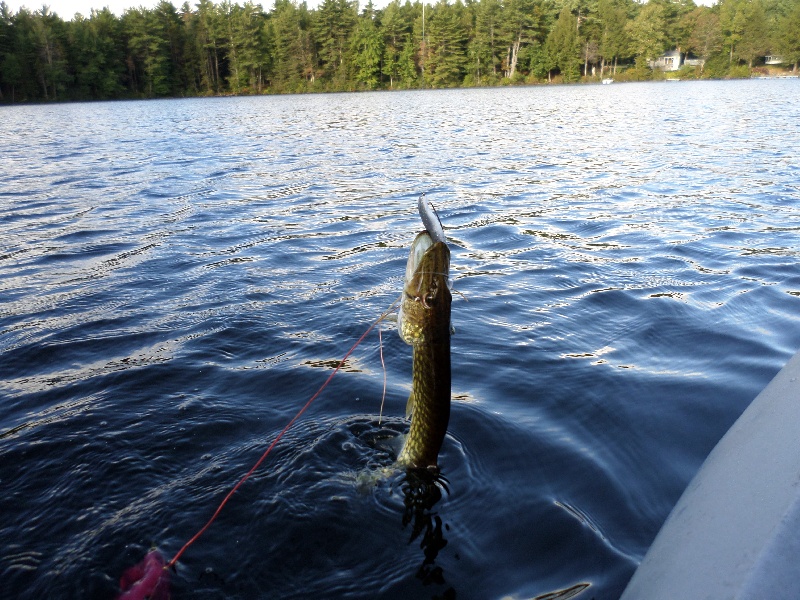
[446,46]
[239,48]
[97,56]
[207,29]
[487,45]
[732,21]
[523,24]
[245,46]
[590,32]
[395,31]
[50,63]
[169,23]
[147,54]
[367,49]
[788,36]
[12,76]
[192,66]
[675,22]
[334,22]
[755,41]
[614,42]
[407,69]
[563,47]
[291,46]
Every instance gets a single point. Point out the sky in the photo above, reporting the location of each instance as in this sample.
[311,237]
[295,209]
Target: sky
[66,9]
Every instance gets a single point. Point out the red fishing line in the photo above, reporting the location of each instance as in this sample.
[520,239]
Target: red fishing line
[277,439]
[148,579]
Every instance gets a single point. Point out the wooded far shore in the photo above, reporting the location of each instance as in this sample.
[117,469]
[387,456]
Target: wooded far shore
[236,49]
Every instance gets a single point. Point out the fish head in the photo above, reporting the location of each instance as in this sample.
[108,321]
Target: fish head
[425,303]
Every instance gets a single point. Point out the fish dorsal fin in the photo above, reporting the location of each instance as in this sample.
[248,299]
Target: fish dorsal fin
[410,405]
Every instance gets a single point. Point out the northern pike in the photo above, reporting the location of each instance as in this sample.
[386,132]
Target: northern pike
[424,323]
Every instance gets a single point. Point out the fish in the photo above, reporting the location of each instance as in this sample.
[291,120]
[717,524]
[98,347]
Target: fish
[424,323]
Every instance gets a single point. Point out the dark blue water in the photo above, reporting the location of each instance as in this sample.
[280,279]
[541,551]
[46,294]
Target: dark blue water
[177,278]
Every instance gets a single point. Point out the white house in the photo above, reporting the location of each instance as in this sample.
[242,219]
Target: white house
[669,61]
[674,60]
[694,62]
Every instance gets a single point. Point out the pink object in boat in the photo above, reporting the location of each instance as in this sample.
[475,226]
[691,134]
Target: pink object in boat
[148,580]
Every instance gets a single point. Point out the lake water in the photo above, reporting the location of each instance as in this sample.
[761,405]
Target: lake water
[178,277]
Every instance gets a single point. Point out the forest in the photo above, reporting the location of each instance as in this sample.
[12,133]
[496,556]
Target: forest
[234,49]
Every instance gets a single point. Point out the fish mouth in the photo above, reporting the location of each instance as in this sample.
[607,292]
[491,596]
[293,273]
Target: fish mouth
[422,257]
[425,302]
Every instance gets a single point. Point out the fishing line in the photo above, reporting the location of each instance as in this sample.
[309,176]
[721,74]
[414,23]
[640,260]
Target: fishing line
[383,366]
[222,504]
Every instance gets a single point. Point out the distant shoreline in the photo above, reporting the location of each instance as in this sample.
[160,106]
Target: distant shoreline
[521,85]
[232,49]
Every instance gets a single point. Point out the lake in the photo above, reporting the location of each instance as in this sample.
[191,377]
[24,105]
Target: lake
[178,277]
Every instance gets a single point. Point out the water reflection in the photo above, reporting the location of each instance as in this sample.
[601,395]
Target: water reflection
[422,489]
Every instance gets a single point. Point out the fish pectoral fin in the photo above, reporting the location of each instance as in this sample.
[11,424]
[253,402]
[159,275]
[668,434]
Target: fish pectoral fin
[410,405]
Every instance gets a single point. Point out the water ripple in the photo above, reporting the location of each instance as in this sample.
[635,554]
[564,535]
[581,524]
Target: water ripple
[178,277]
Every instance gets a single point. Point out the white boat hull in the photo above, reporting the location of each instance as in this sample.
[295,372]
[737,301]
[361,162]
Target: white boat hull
[735,532]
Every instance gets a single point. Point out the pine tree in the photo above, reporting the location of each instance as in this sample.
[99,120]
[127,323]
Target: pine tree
[446,60]
[755,34]
[486,45]
[408,70]
[367,49]
[521,24]
[334,22]
[291,47]
[395,31]
[97,56]
[50,63]
[614,42]
[732,21]
[563,46]
[788,36]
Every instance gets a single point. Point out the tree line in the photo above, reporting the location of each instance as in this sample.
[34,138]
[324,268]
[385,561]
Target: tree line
[232,48]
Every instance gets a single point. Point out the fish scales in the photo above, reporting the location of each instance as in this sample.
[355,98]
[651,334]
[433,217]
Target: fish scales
[424,323]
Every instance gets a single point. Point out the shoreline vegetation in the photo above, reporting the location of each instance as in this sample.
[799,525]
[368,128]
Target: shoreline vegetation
[229,48]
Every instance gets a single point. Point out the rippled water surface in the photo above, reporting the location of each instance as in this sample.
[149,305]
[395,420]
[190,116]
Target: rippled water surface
[177,278]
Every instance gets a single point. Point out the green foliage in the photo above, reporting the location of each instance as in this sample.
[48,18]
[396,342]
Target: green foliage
[333,23]
[647,33]
[291,48]
[614,41]
[705,37]
[563,47]
[97,56]
[367,49]
[232,48]
[739,72]
[445,50]
[788,36]
[397,46]
[716,67]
